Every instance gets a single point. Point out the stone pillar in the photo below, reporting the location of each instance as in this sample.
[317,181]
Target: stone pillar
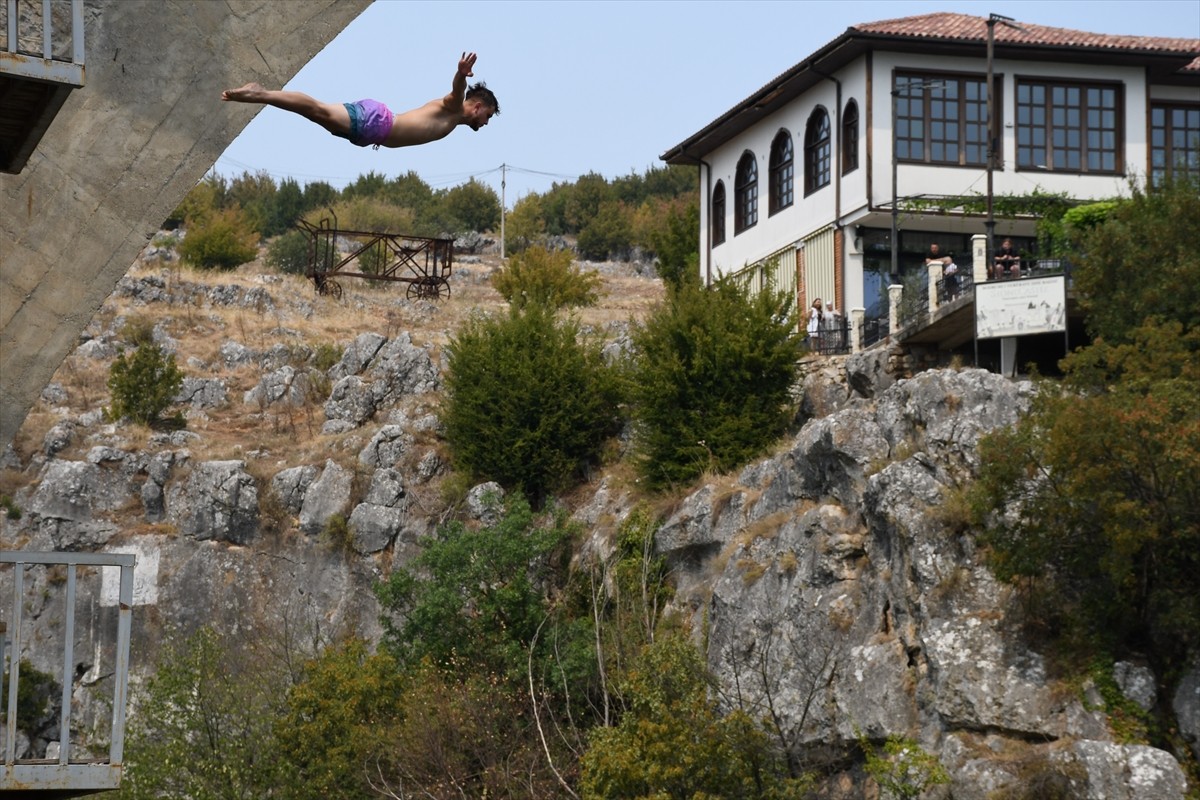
[857,315]
[936,273]
[895,295]
[979,265]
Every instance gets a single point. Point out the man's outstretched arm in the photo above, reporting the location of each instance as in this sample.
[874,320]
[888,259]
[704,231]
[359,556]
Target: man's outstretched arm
[458,91]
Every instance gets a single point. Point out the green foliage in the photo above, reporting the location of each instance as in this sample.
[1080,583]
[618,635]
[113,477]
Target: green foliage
[337,535]
[370,214]
[203,727]
[143,384]
[546,278]
[287,206]
[326,355]
[673,744]
[525,225]
[473,597]
[903,770]
[711,381]
[607,234]
[11,511]
[1101,483]
[528,400]
[138,330]
[677,245]
[289,253]
[475,205]
[34,690]
[330,728]
[1141,262]
[204,199]
[223,240]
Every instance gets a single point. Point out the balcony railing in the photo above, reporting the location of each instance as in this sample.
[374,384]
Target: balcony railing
[45,43]
[67,773]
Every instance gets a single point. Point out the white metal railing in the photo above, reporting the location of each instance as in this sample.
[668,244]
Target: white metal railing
[23,61]
[64,773]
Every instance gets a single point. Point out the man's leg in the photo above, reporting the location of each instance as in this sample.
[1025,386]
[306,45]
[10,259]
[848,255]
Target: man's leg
[333,117]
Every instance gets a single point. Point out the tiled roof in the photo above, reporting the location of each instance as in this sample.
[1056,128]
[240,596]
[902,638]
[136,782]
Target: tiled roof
[966,28]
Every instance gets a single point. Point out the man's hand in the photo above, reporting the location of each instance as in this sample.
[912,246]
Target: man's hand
[466,64]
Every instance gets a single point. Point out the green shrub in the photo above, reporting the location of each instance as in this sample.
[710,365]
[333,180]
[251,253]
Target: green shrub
[711,380]
[34,690]
[138,331]
[143,384]
[547,278]
[904,771]
[326,355]
[289,253]
[221,240]
[528,400]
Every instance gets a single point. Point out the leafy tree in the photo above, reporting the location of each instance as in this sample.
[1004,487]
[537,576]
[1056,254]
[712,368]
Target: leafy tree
[584,200]
[673,744]
[608,234]
[286,207]
[409,191]
[1102,484]
[904,770]
[475,204]
[1141,261]
[369,186]
[711,380]
[289,253]
[205,198]
[546,278]
[330,727]
[319,195]
[143,385]
[676,242]
[473,598]
[525,225]
[255,195]
[203,730]
[528,399]
[220,240]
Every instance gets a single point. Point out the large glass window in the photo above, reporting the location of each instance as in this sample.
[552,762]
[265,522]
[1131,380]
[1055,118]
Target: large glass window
[782,175]
[942,118]
[1174,141]
[745,194]
[718,214]
[1069,127]
[816,151]
[850,137]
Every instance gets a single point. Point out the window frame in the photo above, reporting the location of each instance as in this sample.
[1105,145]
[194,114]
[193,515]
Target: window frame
[1168,169]
[849,141]
[781,174]
[818,152]
[717,214]
[970,134]
[745,194]
[1049,129]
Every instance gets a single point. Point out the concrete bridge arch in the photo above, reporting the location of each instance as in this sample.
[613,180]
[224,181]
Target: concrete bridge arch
[121,154]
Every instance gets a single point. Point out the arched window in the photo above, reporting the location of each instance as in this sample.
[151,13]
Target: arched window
[745,194]
[782,173]
[717,212]
[816,151]
[850,137]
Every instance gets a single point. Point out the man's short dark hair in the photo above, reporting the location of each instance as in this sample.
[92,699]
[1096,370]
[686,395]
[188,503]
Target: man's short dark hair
[481,92]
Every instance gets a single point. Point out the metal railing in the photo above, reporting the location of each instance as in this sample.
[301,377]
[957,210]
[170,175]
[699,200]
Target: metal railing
[64,773]
[832,338]
[49,59]
[952,287]
[874,330]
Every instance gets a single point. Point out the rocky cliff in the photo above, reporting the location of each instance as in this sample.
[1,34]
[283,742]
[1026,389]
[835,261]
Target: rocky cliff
[836,586]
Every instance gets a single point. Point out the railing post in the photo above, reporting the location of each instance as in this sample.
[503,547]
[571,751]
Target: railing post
[937,272]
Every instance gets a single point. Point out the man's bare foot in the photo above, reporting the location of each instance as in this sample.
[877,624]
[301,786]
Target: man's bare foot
[250,93]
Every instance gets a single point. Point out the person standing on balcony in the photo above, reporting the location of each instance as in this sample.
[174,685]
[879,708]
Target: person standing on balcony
[371,123]
[815,323]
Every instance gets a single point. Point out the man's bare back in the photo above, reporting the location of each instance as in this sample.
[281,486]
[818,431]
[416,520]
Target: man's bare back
[370,122]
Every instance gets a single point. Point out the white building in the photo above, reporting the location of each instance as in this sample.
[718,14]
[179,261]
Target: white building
[798,181]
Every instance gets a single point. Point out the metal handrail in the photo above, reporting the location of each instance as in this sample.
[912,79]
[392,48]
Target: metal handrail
[64,773]
[44,66]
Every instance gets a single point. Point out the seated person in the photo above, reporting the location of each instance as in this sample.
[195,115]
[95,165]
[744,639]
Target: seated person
[949,269]
[1006,264]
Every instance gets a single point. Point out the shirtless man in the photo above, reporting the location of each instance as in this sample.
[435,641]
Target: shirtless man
[369,122]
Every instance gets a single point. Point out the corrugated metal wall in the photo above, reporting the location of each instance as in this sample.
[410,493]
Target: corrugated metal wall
[819,266]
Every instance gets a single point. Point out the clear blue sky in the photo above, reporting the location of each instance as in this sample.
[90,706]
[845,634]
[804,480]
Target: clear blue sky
[587,86]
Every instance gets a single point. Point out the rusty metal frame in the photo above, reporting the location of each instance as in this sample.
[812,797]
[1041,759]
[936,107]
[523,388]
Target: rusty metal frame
[64,774]
[422,262]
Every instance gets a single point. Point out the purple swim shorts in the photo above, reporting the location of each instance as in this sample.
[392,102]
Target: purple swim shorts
[370,122]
